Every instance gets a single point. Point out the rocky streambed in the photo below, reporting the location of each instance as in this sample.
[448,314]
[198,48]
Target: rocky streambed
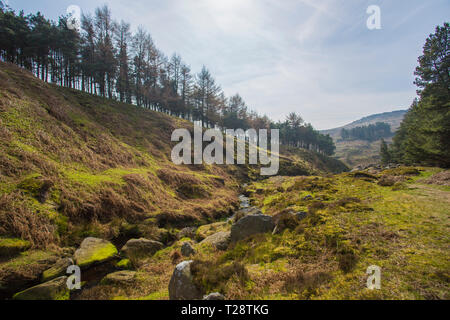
[101,262]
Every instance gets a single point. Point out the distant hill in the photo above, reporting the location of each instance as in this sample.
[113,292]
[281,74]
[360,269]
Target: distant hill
[359,152]
[393,118]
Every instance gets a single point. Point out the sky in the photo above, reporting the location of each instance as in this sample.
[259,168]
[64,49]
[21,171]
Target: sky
[314,57]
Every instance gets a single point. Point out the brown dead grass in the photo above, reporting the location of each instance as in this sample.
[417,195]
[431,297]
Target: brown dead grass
[390,180]
[441,179]
[17,220]
[177,178]
[209,276]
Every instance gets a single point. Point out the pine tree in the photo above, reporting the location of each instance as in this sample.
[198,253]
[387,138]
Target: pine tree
[384,153]
[123,86]
[424,135]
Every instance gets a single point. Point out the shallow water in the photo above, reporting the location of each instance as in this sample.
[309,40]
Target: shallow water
[245,202]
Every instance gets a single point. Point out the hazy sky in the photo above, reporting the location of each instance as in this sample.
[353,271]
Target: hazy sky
[314,57]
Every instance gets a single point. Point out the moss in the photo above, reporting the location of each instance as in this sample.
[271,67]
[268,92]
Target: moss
[99,254]
[13,246]
[104,253]
[364,175]
[32,184]
[403,171]
[238,252]
[50,274]
[82,176]
[124,264]
[399,186]
[52,290]
[130,231]
[210,229]
[282,252]
[159,295]
[26,259]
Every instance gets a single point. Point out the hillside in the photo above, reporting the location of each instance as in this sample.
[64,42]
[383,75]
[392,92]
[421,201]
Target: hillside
[74,165]
[393,118]
[359,152]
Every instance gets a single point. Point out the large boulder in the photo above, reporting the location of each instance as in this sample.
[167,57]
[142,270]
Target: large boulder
[119,278]
[94,251]
[219,240]
[187,250]
[181,285]
[250,225]
[244,212]
[57,270]
[55,289]
[141,248]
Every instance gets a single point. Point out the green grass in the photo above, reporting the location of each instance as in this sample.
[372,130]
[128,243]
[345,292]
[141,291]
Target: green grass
[114,176]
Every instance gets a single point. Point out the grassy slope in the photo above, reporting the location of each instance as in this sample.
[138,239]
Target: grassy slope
[358,152]
[107,164]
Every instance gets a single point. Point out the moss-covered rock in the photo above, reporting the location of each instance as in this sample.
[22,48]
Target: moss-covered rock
[13,246]
[140,248]
[187,250]
[94,251]
[53,290]
[123,277]
[57,270]
[250,225]
[210,229]
[219,240]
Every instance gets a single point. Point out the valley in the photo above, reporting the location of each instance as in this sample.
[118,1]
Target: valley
[356,152]
[92,184]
